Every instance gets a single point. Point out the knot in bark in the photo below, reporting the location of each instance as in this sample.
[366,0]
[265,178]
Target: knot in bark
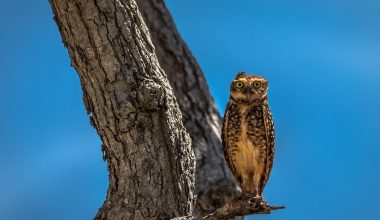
[149,95]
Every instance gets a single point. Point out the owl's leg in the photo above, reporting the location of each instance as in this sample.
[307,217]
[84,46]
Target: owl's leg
[261,195]
[256,184]
[263,202]
[249,189]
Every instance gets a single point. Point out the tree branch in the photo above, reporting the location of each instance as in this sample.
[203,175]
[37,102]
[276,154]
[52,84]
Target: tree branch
[241,207]
[237,207]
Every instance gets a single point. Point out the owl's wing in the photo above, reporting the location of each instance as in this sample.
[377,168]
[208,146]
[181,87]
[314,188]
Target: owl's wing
[270,138]
[225,138]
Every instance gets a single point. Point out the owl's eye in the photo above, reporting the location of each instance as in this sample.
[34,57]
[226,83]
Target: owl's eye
[239,85]
[256,84]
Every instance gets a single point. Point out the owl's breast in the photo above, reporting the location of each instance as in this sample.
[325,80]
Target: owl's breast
[247,155]
[243,147]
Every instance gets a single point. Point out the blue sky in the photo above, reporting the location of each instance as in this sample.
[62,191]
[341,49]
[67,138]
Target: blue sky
[322,62]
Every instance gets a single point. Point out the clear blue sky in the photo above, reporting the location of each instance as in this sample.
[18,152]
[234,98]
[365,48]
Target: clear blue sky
[322,59]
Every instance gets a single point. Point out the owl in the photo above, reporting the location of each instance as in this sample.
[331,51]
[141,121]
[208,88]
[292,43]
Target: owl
[248,133]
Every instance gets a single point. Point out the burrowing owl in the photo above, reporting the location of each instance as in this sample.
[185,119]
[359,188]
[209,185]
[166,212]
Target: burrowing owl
[248,133]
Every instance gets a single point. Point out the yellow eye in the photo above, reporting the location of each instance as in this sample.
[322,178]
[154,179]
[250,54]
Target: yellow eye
[257,84]
[239,85]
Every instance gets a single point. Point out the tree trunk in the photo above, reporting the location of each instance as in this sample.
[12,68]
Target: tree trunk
[215,183]
[132,107]
[132,79]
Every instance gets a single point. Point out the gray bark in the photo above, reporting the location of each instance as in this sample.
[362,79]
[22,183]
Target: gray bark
[132,107]
[215,184]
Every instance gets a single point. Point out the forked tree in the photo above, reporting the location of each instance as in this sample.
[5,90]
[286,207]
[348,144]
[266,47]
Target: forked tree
[149,101]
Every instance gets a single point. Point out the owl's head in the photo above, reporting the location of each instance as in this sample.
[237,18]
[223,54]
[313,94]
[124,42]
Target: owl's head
[248,88]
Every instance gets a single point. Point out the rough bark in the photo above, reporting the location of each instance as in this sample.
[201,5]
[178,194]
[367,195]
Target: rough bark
[215,184]
[132,107]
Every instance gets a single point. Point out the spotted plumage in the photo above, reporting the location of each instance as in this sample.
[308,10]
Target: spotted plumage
[248,133]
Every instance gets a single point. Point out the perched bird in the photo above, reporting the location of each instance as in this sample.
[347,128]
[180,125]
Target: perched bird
[248,133]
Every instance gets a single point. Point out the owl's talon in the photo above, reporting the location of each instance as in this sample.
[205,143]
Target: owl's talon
[263,202]
[255,202]
[258,202]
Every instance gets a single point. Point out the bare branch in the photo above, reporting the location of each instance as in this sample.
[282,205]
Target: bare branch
[238,207]
[242,207]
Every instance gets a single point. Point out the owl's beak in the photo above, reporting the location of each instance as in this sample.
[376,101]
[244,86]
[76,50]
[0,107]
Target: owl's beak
[253,91]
